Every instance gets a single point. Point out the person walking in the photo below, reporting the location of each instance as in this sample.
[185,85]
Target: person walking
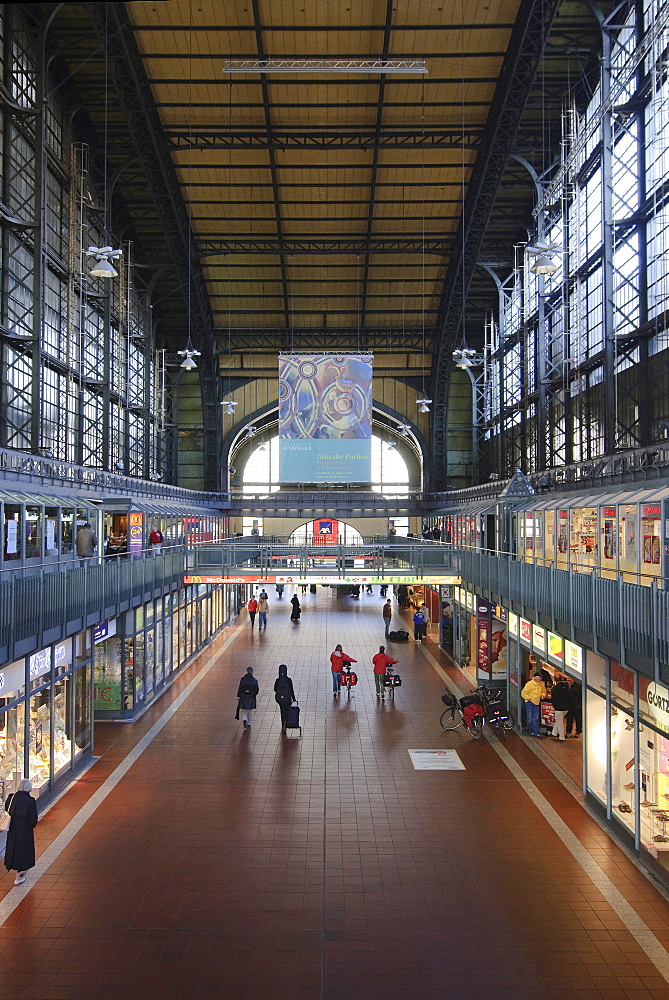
[303,588]
[381,660]
[247,693]
[418,625]
[575,713]
[560,702]
[370,589]
[387,613]
[263,608]
[85,542]
[403,596]
[284,693]
[383,590]
[337,659]
[20,849]
[297,610]
[532,693]
[279,590]
[156,539]
[252,608]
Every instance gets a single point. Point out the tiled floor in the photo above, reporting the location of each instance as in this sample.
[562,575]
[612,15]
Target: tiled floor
[258,866]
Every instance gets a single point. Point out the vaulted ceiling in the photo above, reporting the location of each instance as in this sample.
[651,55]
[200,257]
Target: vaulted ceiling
[326,210]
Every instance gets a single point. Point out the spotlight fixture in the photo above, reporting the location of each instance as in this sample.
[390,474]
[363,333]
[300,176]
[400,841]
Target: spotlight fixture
[103,268]
[391,445]
[232,470]
[46,453]
[423,405]
[251,431]
[189,355]
[155,476]
[325,66]
[404,429]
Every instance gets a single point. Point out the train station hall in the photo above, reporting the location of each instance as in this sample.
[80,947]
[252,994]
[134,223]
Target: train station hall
[334,500]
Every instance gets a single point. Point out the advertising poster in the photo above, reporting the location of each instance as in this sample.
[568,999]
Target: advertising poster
[135,533]
[325,418]
[483,638]
[326,532]
[554,648]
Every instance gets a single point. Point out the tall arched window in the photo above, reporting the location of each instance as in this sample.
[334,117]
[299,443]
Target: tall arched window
[261,472]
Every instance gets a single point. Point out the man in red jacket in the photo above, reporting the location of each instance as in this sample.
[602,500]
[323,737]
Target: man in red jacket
[381,662]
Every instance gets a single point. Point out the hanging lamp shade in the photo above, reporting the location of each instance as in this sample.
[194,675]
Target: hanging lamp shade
[544,265]
[188,363]
[103,269]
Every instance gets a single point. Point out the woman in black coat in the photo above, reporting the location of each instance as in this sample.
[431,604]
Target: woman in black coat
[20,849]
[297,610]
[284,693]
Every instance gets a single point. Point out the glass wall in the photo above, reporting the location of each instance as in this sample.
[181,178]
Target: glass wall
[136,655]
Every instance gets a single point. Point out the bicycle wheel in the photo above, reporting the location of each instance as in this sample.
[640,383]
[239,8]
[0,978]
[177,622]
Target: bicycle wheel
[476,730]
[449,720]
[508,724]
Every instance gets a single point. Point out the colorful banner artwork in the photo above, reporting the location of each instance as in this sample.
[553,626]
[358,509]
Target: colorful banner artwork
[325,418]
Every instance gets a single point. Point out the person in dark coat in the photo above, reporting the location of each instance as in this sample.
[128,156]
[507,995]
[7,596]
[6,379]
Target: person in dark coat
[560,700]
[297,610]
[20,849]
[284,693]
[575,713]
[403,596]
[247,692]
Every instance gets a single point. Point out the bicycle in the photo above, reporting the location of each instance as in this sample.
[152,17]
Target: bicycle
[454,715]
[491,712]
[347,677]
[391,681]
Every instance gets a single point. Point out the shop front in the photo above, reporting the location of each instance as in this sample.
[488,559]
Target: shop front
[137,654]
[46,716]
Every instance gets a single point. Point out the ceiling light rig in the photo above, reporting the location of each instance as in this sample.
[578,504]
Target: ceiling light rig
[103,267]
[189,354]
[251,431]
[229,406]
[467,357]
[544,253]
[404,429]
[325,66]
[423,405]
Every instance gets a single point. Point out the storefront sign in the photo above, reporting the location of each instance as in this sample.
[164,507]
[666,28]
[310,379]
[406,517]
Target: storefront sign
[104,630]
[525,631]
[39,663]
[657,697]
[512,623]
[500,613]
[573,658]
[554,648]
[12,679]
[204,578]
[538,639]
[446,593]
[470,601]
[135,532]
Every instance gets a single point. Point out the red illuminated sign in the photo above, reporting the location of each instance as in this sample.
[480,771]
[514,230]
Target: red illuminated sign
[609,512]
[652,511]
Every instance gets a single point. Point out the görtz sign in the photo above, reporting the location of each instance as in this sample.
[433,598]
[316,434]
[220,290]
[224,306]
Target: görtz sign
[657,697]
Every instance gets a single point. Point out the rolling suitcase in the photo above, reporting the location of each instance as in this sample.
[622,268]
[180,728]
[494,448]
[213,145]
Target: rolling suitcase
[293,718]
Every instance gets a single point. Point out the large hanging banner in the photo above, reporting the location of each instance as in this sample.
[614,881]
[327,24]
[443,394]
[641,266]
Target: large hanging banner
[325,418]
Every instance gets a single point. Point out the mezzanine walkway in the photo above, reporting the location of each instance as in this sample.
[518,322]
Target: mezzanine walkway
[209,862]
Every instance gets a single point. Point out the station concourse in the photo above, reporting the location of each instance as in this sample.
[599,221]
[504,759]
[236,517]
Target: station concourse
[195,858]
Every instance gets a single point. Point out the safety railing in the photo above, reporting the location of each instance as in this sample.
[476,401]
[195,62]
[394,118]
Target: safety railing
[47,606]
[626,620]
[268,557]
